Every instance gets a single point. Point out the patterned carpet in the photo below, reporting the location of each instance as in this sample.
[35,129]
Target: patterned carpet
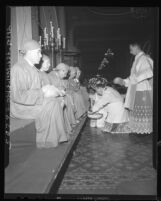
[103,161]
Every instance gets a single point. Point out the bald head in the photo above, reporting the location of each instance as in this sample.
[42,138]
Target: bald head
[46,63]
[32,51]
[62,66]
[78,72]
[30,45]
[73,72]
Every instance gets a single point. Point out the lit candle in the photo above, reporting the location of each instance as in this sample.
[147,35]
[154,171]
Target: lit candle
[63,42]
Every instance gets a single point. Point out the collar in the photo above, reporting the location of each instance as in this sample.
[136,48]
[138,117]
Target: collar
[29,62]
[139,54]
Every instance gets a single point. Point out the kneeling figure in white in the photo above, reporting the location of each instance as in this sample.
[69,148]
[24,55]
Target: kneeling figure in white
[110,103]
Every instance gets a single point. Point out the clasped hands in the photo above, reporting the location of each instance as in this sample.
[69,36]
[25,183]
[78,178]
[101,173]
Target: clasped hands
[119,81]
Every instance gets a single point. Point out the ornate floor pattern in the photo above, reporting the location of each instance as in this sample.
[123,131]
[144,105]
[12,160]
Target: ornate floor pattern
[102,161]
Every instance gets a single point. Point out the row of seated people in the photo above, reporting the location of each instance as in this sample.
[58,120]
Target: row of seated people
[53,100]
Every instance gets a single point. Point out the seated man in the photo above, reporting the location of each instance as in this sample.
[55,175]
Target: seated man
[30,100]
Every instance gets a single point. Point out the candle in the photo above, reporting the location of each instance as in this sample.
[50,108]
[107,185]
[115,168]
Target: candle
[51,25]
[40,41]
[46,39]
[45,32]
[52,32]
[45,43]
[58,33]
[51,29]
[57,43]
[59,39]
[63,42]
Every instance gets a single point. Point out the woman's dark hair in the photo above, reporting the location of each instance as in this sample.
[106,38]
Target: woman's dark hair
[102,85]
[97,82]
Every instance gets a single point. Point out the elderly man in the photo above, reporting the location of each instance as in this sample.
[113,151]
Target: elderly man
[29,100]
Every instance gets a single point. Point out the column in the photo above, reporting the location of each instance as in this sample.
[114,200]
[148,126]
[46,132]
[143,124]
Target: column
[24,26]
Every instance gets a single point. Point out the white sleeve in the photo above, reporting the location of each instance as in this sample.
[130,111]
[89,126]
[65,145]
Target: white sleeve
[101,102]
[127,80]
[145,70]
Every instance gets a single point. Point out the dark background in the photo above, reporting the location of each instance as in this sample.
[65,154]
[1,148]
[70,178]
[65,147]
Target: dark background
[95,29]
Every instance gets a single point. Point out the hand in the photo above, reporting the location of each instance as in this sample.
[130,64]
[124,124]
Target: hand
[62,92]
[90,112]
[133,79]
[45,88]
[119,81]
[50,91]
[62,103]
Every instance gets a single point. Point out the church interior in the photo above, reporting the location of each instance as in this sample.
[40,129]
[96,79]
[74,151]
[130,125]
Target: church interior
[93,163]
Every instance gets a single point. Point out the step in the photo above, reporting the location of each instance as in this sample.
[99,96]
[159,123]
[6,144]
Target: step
[33,170]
